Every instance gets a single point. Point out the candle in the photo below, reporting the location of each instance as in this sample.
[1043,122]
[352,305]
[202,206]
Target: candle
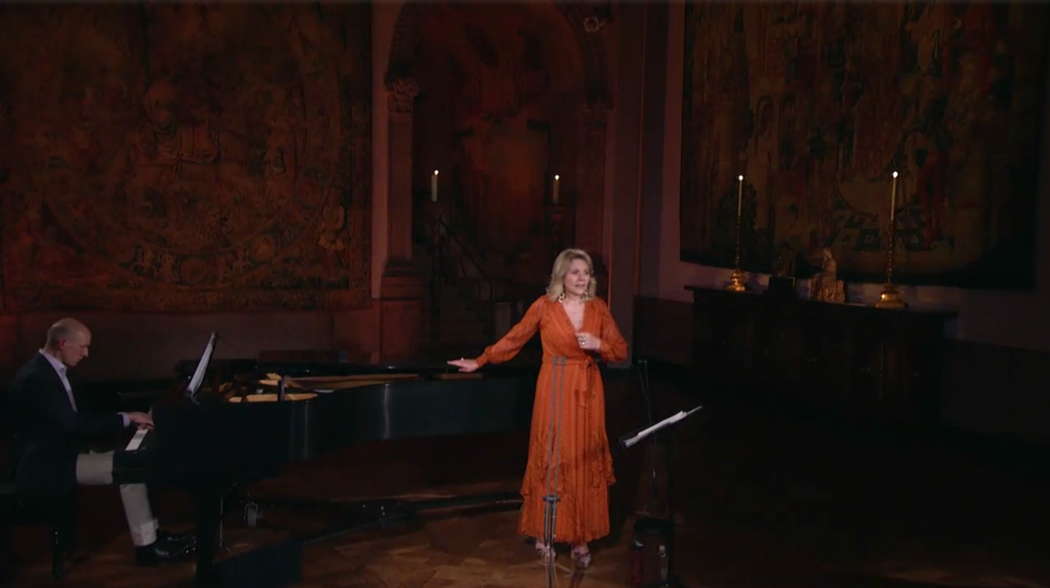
[554,191]
[893,200]
[434,187]
[739,195]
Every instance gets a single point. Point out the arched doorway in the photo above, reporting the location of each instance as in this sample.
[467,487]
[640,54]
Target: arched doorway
[509,95]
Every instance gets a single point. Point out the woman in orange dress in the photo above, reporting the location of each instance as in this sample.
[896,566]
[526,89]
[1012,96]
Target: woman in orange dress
[568,448]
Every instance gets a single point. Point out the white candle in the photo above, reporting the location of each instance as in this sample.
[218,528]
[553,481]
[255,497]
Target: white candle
[554,191]
[893,200]
[739,195]
[434,186]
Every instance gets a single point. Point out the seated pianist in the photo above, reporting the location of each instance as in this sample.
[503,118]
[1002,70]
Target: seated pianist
[49,435]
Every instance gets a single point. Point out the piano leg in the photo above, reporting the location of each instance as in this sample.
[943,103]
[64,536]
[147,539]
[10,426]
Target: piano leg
[209,518]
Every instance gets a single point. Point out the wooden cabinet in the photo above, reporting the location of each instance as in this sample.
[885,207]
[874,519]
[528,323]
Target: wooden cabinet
[883,364]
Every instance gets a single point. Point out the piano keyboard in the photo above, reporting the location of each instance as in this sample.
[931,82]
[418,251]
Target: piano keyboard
[136,441]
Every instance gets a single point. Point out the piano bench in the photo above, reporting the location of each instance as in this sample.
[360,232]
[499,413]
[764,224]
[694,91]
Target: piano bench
[58,513]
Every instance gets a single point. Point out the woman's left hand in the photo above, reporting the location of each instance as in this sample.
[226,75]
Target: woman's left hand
[464,365]
[588,341]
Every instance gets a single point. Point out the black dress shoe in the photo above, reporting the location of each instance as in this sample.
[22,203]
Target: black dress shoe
[165,549]
[176,538]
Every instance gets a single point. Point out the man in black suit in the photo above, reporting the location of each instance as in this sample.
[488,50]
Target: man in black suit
[49,432]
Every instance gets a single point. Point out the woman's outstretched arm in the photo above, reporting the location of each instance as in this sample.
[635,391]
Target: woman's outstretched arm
[511,343]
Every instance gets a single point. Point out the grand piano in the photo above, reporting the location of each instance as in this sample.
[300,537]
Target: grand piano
[333,405]
[251,417]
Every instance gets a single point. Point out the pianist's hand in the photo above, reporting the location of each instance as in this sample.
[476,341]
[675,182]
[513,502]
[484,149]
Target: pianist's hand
[141,420]
[464,365]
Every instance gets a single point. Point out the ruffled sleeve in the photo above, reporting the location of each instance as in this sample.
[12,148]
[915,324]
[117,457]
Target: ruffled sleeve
[613,348]
[506,348]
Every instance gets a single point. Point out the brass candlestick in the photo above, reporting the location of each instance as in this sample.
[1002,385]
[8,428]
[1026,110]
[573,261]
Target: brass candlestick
[738,278]
[737,281]
[889,297]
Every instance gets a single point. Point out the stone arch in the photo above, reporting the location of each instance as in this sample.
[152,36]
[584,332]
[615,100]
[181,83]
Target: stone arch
[584,26]
[587,22]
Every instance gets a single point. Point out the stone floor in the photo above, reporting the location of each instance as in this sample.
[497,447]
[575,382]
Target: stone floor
[763,496]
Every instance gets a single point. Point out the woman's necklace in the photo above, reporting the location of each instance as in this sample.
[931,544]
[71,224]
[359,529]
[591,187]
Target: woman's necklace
[574,310]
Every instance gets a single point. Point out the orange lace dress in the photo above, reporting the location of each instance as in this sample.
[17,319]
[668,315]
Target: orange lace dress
[568,447]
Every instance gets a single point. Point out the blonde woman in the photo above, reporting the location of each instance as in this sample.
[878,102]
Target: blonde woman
[568,448]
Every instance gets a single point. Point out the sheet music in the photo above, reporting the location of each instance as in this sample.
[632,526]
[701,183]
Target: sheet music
[202,367]
[136,441]
[628,442]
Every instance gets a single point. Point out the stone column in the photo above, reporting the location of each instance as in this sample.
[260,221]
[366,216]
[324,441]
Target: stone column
[401,98]
[590,207]
[401,287]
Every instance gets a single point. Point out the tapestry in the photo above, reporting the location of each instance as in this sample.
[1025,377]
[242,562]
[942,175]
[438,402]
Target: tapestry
[817,104]
[185,157]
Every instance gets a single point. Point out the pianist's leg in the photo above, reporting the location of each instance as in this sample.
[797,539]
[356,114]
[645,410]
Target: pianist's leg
[96,469]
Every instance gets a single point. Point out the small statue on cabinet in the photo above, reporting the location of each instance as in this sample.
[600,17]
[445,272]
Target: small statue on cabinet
[826,286]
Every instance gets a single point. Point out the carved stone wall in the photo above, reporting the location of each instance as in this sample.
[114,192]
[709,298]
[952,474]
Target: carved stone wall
[185,157]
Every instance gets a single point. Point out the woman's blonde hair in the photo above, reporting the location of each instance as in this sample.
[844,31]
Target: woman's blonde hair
[556,287]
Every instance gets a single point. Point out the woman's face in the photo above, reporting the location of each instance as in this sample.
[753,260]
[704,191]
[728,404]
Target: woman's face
[577,278]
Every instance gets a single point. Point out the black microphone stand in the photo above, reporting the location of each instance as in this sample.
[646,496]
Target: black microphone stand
[551,498]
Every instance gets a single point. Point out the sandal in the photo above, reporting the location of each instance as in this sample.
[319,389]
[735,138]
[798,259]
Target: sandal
[581,556]
[546,552]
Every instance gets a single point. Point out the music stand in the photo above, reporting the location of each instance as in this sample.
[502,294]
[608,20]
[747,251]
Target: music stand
[652,525]
[197,379]
[632,439]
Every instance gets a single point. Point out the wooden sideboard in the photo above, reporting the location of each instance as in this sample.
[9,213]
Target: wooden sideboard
[868,362]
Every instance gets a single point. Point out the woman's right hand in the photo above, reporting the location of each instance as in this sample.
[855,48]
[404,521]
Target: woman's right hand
[464,365]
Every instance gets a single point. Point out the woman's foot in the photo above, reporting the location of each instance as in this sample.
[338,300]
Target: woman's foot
[581,555]
[546,552]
